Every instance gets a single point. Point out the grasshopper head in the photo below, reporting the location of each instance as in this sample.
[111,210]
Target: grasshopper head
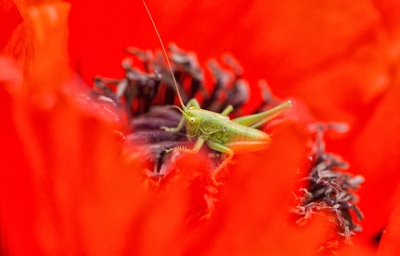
[193,120]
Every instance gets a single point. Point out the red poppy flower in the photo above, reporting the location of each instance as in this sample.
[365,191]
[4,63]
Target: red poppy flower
[65,191]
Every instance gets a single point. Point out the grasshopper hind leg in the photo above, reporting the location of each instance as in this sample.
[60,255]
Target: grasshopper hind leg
[256,120]
[220,148]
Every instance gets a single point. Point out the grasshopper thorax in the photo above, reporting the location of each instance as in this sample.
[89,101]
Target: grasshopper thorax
[200,122]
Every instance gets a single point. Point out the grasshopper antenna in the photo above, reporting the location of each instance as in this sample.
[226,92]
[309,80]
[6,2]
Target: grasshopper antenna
[166,56]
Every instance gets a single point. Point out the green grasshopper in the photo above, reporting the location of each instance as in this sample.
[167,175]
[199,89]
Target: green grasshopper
[218,131]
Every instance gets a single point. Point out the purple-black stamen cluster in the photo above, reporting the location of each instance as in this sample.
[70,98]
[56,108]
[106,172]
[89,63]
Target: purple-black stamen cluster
[329,191]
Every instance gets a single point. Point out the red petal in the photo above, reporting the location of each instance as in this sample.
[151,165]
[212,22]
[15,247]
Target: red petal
[390,237]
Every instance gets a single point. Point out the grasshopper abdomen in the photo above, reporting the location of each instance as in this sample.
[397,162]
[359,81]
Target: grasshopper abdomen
[241,138]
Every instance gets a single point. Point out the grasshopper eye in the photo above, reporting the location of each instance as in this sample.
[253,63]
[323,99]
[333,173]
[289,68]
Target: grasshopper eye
[192,120]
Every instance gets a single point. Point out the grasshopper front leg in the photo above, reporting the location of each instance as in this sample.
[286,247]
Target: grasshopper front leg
[199,143]
[191,103]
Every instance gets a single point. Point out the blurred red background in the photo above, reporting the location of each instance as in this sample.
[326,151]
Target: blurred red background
[339,58]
